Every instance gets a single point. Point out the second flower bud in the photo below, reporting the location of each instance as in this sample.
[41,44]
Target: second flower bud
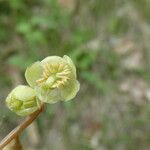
[22,100]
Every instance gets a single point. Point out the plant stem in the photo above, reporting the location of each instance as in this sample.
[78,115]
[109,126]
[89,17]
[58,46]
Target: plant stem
[17,145]
[14,133]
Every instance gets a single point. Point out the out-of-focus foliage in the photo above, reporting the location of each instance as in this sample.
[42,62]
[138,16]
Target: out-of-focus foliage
[109,43]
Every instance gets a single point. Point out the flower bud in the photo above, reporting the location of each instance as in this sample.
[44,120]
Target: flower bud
[22,100]
[53,79]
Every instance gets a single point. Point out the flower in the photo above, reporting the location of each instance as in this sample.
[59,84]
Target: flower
[54,79]
[22,100]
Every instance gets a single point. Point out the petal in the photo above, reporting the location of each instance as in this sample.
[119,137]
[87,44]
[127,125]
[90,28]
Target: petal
[23,93]
[53,59]
[26,112]
[48,95]
[33,73]
[69,92]
[70,63]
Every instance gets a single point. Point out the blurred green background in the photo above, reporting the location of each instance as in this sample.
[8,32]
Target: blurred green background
[109,43]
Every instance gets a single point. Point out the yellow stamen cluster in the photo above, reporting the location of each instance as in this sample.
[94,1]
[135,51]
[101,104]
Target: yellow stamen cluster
[58,70]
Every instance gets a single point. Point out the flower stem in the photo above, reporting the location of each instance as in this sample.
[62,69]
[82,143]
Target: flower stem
[17,145]
[15,132]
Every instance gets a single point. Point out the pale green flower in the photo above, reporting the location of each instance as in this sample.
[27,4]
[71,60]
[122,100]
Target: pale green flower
[53,79]
[22,100]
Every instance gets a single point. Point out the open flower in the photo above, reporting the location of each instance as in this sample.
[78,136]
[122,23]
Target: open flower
[53,79]
[22,100]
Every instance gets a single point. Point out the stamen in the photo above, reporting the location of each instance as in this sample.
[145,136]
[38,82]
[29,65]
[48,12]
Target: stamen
[59,70]
[40,80]
[60,67]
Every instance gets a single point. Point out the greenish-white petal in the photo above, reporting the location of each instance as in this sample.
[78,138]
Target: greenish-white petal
[26,112]
[69,91]
[33,73]
[53,59]
[23,93]
[48,95]
[70,63]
